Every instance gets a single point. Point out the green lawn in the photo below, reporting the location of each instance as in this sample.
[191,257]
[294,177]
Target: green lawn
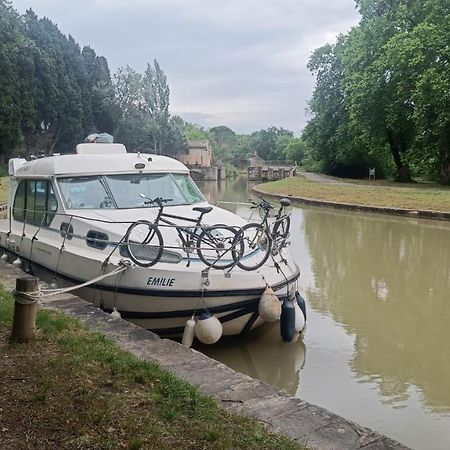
[410,197]
[4,189]
[72,388]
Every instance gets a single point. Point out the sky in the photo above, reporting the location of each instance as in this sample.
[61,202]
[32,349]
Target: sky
[239,63]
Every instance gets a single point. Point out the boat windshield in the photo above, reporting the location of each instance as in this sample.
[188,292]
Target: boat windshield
[125,191]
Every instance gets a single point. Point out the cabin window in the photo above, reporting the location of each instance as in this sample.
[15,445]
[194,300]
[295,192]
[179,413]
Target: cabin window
[84,193]
[125,191]
[97,239]
[19,202]
[35,202]
[189,189]
[66,230]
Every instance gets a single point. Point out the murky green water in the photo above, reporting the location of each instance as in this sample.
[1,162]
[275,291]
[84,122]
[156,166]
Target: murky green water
[377,347]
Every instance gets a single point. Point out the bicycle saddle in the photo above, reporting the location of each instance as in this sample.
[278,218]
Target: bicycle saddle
[202,209]
[285,202]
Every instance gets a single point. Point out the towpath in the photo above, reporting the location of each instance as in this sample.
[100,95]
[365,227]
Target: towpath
[321,178]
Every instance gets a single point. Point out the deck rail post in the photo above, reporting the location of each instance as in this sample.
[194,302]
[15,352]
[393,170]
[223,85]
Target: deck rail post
[25,309]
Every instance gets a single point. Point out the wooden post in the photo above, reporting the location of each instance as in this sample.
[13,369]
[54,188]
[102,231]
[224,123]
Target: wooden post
[25,310]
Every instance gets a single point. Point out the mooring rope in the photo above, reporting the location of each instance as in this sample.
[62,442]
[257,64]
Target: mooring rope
[51,292]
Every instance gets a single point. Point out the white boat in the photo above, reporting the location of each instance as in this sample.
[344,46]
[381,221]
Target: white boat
[67,219]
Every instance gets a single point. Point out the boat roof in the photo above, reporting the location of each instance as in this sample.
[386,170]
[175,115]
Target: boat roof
[97,164]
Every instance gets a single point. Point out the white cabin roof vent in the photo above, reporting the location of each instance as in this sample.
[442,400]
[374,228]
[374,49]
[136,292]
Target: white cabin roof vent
[100,149]
[14,164]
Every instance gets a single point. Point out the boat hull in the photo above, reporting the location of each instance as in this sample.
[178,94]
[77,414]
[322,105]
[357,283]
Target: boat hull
[162,308]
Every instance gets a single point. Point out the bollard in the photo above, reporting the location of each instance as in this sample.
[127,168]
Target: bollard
[25,310]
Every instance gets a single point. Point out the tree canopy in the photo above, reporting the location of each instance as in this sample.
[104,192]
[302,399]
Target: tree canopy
[54,93]
[381,97]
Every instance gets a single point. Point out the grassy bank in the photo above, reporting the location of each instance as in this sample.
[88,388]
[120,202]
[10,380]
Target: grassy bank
[71,388]
[430,198]
[4,189]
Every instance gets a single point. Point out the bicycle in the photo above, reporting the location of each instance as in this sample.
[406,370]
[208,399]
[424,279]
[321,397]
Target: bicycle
[260,240]
[211,243]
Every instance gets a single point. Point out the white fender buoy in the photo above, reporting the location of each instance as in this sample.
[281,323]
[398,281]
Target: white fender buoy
[17,261]
[115,313]
[4,257]
[208,328]
[299,318]
[189,332]
[269,308]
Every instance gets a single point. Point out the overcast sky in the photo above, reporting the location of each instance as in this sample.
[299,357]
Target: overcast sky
[240,63]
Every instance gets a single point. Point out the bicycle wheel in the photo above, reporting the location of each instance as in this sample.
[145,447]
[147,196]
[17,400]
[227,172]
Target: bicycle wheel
[256,244]
[144,243]
[280,233]
[216,246]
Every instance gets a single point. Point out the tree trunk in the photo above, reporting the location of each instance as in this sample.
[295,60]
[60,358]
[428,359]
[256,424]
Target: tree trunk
[55,139]
[445,170]
[403,173]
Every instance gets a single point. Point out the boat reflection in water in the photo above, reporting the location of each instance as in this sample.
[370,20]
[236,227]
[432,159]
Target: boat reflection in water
[263,355]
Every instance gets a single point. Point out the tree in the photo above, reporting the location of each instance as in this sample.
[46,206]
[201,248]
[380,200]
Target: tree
[100,93]
[10,43]
[224,142]
[128,98]
[194,132]
[264,142]
[295,150]
[422,57]
[380,88]
[156,95]
[176,141]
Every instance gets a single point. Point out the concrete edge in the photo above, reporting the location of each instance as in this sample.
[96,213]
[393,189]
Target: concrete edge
[238,393]
[412,213]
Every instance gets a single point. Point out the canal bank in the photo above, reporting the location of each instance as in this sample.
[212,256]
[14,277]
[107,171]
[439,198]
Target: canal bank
[405,212]
[238,393]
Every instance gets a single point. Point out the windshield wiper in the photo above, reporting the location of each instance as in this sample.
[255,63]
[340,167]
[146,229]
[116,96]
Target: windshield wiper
[108,191]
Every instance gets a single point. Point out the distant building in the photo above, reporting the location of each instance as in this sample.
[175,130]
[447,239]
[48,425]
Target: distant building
[269,173]
[254,160]
[199,154]
[199,159]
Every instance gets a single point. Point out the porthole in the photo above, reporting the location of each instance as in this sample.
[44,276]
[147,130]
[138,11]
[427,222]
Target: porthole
[97,239]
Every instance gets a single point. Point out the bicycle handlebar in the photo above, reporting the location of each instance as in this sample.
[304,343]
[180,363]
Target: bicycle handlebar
[158,200]
[263,204]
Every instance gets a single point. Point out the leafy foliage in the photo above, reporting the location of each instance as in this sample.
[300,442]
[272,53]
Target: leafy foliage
[53,93]
[381,97]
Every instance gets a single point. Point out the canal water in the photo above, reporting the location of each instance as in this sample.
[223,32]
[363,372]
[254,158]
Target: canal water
[377,345]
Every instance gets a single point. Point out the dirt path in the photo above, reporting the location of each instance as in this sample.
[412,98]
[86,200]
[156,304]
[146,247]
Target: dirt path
[321,178]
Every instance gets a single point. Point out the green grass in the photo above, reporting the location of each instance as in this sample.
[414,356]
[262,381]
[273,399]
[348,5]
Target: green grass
[417,197]
[72,388]
[4,189]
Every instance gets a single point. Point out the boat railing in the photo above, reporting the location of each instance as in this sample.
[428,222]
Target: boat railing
[222,241]
[225,257]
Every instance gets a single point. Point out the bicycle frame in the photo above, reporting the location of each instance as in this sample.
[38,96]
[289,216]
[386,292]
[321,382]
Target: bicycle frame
[187,242]
[272,229]
[187,235]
